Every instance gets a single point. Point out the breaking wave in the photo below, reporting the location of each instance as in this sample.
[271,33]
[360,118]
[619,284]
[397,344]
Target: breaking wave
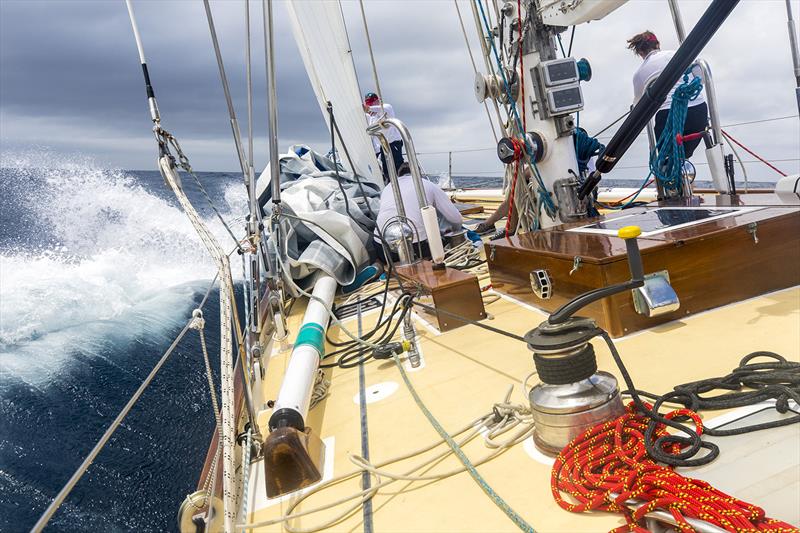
[88,255]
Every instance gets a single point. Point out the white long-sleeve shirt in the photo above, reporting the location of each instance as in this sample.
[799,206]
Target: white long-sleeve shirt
[391,133]
[652,66]
[449,215]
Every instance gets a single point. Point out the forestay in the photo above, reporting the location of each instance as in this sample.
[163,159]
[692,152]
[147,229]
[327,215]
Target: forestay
[321,37]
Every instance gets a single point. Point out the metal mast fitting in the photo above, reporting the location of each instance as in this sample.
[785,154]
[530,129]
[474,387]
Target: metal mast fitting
[540,92]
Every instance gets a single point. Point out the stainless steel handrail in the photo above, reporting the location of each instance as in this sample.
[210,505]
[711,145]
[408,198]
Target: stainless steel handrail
[392,172]
[413,163]
[711,99]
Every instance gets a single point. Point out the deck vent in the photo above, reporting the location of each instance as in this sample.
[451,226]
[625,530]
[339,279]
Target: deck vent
[541,284]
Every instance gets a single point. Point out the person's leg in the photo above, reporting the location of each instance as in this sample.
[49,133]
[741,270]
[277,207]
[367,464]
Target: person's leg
[397,153]
[426,249]
[661,122]
[696,120]
[382,157]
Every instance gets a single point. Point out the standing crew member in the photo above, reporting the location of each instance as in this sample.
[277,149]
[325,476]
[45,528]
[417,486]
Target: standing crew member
[646,46]
[375,110]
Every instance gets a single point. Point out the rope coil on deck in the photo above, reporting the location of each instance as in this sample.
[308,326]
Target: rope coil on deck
[505,417]
[608,465]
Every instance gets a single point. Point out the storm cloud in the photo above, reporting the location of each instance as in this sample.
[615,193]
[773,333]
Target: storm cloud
[70,79]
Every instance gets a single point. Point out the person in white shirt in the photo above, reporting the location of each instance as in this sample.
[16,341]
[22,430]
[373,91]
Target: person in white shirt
[449,216]
[374,110]
[646,46]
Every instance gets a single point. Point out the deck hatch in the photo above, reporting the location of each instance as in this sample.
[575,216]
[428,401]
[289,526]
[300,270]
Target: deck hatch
[655,221]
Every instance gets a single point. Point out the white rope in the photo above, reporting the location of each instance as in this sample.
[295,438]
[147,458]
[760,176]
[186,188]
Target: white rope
[198,323]
[462,255]
[226,358]
[246,445]
[511,416]
[320,390]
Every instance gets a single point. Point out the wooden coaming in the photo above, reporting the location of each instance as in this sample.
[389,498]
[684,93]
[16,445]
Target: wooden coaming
[710,264]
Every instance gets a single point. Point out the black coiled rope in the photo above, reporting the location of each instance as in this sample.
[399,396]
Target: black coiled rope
[777,380]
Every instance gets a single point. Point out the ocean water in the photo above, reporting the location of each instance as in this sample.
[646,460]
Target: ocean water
[99,270]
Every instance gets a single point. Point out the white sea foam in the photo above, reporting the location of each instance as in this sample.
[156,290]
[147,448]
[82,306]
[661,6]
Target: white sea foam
[126,262]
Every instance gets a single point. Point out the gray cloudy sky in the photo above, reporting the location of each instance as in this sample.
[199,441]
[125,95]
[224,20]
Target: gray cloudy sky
[70,80]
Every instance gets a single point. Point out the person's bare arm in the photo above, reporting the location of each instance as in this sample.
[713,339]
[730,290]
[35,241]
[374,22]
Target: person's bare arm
[500,212]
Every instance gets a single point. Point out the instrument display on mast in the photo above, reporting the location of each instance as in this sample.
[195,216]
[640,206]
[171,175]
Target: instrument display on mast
[559,71]
[564,99]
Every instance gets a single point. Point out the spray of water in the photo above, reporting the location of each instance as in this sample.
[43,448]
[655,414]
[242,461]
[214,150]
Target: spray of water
[100,254]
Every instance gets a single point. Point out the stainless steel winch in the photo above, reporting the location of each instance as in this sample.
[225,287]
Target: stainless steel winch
[573,395]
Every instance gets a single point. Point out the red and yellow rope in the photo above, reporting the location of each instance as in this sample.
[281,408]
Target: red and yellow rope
[608,464]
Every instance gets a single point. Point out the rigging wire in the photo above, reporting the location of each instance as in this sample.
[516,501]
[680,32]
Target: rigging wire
[745,123]
[90,457]
[335,127]
[571,40]
[599,133]
[249,82]
[237,136]
[746,149]
[489,66]
[625,114]
[545,199]
[739,159]
[371,55]
[474,66]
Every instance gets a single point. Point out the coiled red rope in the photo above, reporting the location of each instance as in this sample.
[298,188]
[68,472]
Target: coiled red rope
[608,464]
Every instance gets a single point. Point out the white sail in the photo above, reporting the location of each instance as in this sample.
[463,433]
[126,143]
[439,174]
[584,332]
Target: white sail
[320,34]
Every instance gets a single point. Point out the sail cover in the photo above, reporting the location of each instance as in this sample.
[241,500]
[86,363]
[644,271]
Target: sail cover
[321,37]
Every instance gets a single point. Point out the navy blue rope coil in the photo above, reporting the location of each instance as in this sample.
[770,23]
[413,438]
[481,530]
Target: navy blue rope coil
[585,148]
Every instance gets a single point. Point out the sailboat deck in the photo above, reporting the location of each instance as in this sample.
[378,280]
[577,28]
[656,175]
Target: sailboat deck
[468,369]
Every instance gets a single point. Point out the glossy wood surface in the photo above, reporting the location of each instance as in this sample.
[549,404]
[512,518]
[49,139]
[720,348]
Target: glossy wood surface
[469,209]
[710,264]
[423,274]
[453,291]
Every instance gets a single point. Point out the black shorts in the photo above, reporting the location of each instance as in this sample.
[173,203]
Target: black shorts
[696,120]
[426,252]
